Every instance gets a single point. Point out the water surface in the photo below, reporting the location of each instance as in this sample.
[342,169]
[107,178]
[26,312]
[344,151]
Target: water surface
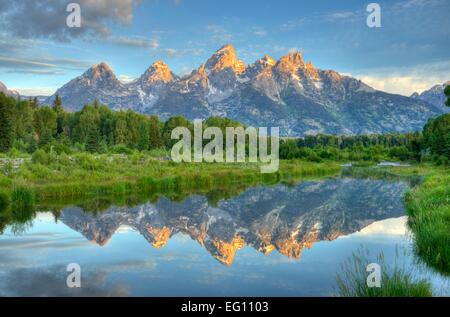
[275,240]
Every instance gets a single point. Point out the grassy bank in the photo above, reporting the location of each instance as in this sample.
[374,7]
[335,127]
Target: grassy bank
[395,281]
[428,208]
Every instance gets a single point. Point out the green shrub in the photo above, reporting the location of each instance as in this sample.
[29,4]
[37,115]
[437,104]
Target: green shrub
[40,171]
[21,146]
[57,147]
[64,159]
[120,149]
[40,157]
[441,160]
[7,169]
[87,161]
[400,152]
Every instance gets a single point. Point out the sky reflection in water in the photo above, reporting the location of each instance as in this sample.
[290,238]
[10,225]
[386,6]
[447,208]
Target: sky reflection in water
[268,241]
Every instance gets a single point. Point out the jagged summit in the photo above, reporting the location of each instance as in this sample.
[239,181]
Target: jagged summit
[101,74]
[434,96]
[262,63]
[291,63]
[295,58]
[267,60]
[100,69]
[225,58]
[157,72]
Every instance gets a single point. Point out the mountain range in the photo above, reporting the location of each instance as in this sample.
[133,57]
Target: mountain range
[282,218]
[435,96]
[289,93]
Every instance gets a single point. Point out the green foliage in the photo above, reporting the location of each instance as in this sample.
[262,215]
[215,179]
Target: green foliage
[428,208]
[447,93]
[172,123]
[357,148]
[87,162]
[221,123]
[6,122]
[22,199]
[155,133]
[45,124]
[93,140]
[401,152]
[120,149]
[98,129]
[436,136]
[40,157]
[4,201]
[57,104]
[143,135]
[395,282]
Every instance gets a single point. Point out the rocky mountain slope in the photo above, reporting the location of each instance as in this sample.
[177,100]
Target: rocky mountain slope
[289,93]
[7,91]
[435,96]
[282,218]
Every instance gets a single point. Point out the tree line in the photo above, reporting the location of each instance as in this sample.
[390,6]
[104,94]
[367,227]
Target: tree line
[27,126]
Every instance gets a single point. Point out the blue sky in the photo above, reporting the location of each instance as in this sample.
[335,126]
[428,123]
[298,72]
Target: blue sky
[38,53]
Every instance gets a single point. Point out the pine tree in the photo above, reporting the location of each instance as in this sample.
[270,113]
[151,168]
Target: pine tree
[447,93]
[44,121]
[96,104]
[93,140]
[143,136]
[57,104]
[120,131]
[58,108]
[35,103]
[155,136]
[6,122]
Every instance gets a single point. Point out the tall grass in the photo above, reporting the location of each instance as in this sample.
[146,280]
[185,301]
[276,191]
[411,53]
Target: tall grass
[395,282]
[428,208]
[4,201]
[22,199]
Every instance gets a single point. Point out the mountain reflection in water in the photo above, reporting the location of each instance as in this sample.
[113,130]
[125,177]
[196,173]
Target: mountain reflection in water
[282,218]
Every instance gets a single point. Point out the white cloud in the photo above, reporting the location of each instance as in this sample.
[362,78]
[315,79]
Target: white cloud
[340,15]
[407,80]
[37,91]
[139,42]
[417,3]
[173,52]
[393,226]
[397,84]
[126,79]
[6,61]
